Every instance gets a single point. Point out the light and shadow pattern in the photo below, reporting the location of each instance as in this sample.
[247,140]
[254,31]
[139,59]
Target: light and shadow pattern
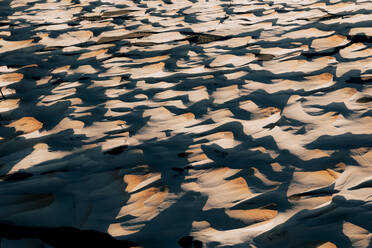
[187,122]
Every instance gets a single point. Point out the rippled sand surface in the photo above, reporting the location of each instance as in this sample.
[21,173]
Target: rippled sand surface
[185,123]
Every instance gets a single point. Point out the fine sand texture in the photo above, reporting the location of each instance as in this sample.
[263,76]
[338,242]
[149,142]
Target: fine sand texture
[186,123]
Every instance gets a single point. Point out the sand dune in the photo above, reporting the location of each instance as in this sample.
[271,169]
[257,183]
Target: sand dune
[179,123]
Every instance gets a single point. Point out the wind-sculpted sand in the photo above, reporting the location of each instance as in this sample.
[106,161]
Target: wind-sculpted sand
[185,123]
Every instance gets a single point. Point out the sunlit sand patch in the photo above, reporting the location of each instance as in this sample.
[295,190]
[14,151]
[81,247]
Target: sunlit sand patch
[170,94]
[67,123]
[340,7]
[260,26]
[7,92]
[350,19]
[224,139]
[350,184]
[249,106]
[317,5]
[259,126]
[236,75]
[118,142]
[83,69]
[152,59]
[196,156]
[195,95]
[98,54]
[310,32]
[98,129]
[365,30]
[311,14]
[232,59]
[340,95]
[66,39]
[164,37]
[185,117]
[261,176]
[53,27]
[9,104]
[221,193]
[5,33]
[362,156]
[143,204]
[211,234]
[137,182]
[10,78]
[276,167]
[61,69]
[306,181]
[232,43]
[7,46]
[225,94]
[6,69]
[356,50]
[354,127]
[171,103]
[162,123]
[310,83]
[114,81]
[267,112]
[359,236]
[195,70]
[118,229]
[53,11]
[296,111]
[329,42]
[58,95]
[111,104]
[198,93]
[253,215]
[199,159]
[272,52]
[40,154]
[113,93]
[327,245]
[116,62]
[119,34]
[160,113]
[26,124]
[290,142]
[220,116]
[213,177]
[361,65]
[153,70]
[200,225]
[278,67]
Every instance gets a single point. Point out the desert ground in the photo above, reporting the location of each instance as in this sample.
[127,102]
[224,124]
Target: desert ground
[186,123]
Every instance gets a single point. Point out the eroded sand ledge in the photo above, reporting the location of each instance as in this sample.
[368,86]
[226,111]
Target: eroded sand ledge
[195,123]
